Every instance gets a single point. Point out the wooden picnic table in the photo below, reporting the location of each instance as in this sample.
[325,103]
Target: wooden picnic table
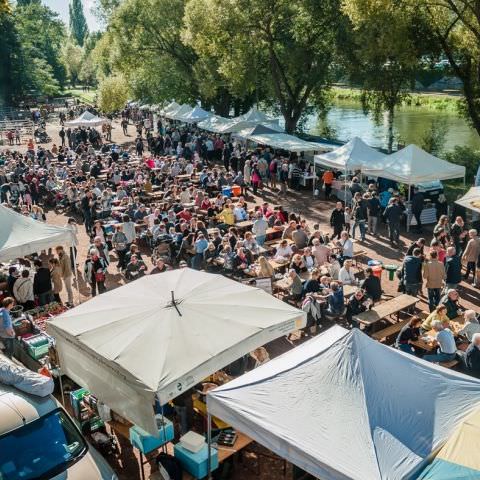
[244,225]
[456,324]
[384,310]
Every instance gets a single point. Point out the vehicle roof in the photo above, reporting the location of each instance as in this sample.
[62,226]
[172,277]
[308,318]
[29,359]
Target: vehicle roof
[18,408]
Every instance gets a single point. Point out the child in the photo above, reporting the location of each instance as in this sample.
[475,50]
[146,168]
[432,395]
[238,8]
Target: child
[348,217]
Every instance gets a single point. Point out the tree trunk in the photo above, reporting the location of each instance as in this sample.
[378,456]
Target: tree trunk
[390,137]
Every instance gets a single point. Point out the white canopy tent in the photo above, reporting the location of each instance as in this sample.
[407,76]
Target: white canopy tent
[251,119]
[412,165]
[354,155]
[132,343]
[172,106]
[214,123]
[343,406]
[196,115]
[266,135]
[179,112]
[21,235]
[87,119]
[471,199]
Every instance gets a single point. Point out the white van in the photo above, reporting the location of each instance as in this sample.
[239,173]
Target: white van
[39,441]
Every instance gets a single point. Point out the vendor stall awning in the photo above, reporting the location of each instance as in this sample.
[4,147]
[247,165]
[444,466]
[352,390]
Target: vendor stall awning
[21,235]
[471,199]
[87,119]
[178,113]
[215,123]
[344,406]
[354,155]
[412,165]
[250,119]
[196,115]
[170,108]
[133,342]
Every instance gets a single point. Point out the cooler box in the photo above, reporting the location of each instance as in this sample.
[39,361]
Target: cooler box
[236,190]
[75,398]
[145,442]
[192,441]
[227,191]
[196,464]
[37,346]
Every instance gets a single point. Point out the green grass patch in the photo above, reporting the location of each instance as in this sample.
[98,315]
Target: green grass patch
[88,97]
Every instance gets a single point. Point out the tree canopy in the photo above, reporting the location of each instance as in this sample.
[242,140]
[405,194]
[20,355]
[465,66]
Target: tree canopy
[78,22]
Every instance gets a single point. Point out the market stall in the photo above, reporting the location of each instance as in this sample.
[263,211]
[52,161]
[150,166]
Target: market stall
[87,119]
[172,106]
[471,199]
[162,334]
[250,119]
[178,113]
[196,115]
[345,406]
[214,123]
[21,235]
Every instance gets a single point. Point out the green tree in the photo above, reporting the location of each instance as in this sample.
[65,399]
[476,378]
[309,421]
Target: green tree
[284,48]
[113,94]
[78,22]
[434,139]
[455,25]
[73,57]
[383,54]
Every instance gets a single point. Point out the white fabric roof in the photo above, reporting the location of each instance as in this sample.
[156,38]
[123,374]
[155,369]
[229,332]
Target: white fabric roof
[343,406]
[196,115]
[250,119]
[172,106]
[265,135]
[412,165]
[21,235]
[87,119]
[179,112]
[354,155]
[471,199]
[214,123]
[130,343]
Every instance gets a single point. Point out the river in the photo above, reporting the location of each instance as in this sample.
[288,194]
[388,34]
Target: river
[347,119]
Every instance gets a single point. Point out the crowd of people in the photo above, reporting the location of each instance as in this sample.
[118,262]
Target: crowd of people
[187,198]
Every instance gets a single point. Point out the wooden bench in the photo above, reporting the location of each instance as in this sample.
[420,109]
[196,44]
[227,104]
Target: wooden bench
[450,364]
[389,331]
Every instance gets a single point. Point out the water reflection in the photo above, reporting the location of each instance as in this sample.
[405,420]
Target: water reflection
[411,124]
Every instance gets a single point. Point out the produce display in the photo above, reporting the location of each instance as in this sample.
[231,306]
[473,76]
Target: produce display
[40,315]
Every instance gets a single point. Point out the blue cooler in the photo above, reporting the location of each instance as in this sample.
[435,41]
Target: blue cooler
[145,442]
[196,464]
[227,191]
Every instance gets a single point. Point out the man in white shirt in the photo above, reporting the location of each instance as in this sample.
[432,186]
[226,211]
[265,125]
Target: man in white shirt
[346,244]
[346,274]
[471,325]
[445,342]
[240,213]
[259,229]
[129,229]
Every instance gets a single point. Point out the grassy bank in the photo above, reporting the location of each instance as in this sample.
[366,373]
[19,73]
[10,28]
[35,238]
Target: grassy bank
[87,97]
[433,101]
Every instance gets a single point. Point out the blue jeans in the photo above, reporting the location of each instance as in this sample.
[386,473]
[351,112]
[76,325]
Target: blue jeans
[363,229]
[197,261]
[412,289]
[440,357]
[406,347]
[433,298]
[8,344]
[260,239]
[394,232]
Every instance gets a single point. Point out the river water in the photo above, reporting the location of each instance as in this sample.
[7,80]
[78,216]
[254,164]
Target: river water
[347,119]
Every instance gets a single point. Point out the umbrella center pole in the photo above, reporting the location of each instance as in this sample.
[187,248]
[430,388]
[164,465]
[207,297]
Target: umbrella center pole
[174,304]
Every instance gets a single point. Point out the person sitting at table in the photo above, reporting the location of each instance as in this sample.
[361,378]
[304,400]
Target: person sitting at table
[471,326]
[240,213]
[135,269]
[471,357]
[439,314]
[300,237]
[334,267]
[265,269]
[210,256]
[346,247]
[185,196]
[320,252]
[408,334]
[226,217]
[160,267]
[140,214]
[291,227]
[284,252]
[185,214]
[227,255]
[452,301]
[308,258]
[295,288]
[372,285]
[250,243]
[297,264]
[201,244]
[357,303]
[335,301]
[445,342]
[242,259]
[346,274]
[312,285]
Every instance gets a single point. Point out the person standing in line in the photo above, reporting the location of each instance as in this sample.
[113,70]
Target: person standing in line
[434,275]
[7,333]
[65,272]
[471,255]
[337,220]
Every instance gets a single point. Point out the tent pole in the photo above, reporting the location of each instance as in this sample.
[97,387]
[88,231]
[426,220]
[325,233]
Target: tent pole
[75,273]
[164,446]
[409,207]
[209,441]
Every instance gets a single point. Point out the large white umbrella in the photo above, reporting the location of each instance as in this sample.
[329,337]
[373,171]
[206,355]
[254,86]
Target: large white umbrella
[162,334]
[471,199]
